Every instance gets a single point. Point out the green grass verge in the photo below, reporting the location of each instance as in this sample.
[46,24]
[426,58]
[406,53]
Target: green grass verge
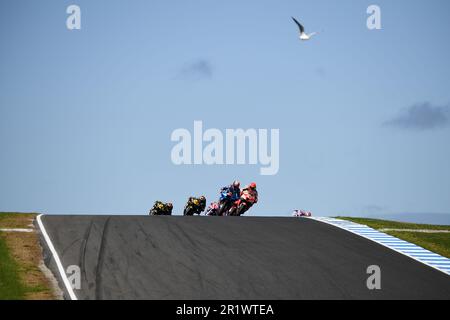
[386,224]
[20,276]
[436,242]
[11,287]
[15,219]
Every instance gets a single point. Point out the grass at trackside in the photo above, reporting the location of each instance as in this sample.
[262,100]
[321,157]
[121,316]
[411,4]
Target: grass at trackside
[436,242]
[386,224]
[11,287]
[20,257]
[15,220]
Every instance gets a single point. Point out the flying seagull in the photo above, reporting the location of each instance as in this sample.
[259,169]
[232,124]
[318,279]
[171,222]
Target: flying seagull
[303,35]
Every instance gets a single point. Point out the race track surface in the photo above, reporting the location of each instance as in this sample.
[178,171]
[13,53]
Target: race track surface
[142,257]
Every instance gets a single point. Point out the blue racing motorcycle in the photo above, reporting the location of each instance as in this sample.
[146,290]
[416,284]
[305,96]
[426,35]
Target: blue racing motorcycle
[226,201]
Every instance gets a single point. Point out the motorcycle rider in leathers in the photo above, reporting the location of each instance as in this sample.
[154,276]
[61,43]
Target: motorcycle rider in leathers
[195,206]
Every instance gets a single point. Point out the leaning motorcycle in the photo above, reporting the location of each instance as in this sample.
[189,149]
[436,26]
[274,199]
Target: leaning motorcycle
[213,209]
[225,202]
[242,205]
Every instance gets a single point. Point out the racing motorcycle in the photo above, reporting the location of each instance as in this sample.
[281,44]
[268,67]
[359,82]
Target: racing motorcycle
[242,205]
[225,202]
[159,209]
[191,208]
[213,209]
[301,213]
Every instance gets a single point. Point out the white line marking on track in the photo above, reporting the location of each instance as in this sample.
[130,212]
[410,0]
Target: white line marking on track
[57,260]
[16,230]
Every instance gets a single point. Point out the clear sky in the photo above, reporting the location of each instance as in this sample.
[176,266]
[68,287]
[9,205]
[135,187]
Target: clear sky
[86,115]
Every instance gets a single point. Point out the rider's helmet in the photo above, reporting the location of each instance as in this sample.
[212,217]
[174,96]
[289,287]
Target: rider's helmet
[203,198]
[170,205]
[252,185]
[236,184]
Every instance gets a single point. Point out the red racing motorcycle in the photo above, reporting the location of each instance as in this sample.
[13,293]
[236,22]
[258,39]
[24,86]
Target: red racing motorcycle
[242,205]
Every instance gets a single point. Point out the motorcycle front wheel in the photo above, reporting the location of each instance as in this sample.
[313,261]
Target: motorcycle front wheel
[188,211]
[243,207]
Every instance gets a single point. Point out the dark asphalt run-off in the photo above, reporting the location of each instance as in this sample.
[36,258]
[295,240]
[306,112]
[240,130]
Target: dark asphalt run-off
[238,258]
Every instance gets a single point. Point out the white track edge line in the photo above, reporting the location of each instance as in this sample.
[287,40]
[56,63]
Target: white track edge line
[384,245]
[57,260]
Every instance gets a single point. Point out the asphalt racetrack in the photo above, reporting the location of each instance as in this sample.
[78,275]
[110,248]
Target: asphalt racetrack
[174,257]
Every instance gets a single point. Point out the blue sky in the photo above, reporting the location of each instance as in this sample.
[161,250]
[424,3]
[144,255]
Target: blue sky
[86,115]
